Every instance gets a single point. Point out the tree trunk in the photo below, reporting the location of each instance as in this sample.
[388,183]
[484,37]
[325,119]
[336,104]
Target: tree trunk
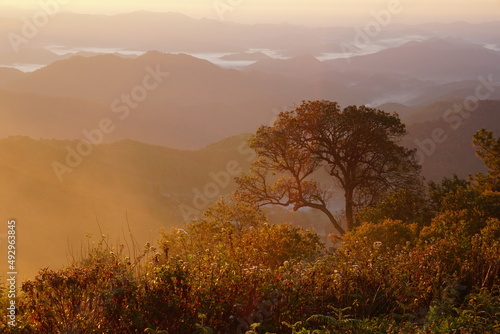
[349,208]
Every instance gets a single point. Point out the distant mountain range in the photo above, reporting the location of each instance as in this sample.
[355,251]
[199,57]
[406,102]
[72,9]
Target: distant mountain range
[175,32]
[198,102]
[441,60]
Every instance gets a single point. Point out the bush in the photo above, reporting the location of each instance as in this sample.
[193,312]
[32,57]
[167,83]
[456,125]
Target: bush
[384,236]
[403,205]
[94,299]
[480,313]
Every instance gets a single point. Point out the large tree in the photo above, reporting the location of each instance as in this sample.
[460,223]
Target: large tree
[357,146]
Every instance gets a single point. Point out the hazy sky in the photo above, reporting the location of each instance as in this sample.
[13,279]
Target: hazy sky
[315,12]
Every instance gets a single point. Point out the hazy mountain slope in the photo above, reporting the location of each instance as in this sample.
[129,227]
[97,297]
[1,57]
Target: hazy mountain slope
[42,116]
[28,55]
[345,87]
[247,56]
[305,67]
[485,32]
[445,143]
[356,87]
[145,182]
[459,89]
[107,77]
[103,77]
[9,74]
[195,102]
[431,112]
[402,110]
[437,59]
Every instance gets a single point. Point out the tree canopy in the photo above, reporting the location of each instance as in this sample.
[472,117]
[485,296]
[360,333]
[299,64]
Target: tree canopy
[357,147]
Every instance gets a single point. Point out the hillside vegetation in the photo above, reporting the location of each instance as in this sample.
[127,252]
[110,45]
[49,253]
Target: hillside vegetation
[431,267]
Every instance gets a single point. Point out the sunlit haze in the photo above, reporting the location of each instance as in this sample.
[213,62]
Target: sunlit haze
[185,166]
[311,12]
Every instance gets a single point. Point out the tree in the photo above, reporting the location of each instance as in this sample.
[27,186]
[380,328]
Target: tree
[357,147]
[488,149]
[440,193]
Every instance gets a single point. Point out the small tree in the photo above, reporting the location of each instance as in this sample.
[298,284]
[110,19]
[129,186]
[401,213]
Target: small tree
[402,204]
[439,193]
[488,149]
[357,146]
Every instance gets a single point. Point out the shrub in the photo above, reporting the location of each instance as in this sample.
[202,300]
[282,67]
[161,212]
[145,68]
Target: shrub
[403,205]
[384,236]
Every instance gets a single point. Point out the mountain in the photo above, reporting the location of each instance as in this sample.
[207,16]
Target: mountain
[41,116]
[247,56]
[431,112]
[175,32]
[433,59]
[8,75]
[28,55]
[402,110]
[193,103]
[118,186]
[482,33]
[303,66]
[444,143]
[459,89]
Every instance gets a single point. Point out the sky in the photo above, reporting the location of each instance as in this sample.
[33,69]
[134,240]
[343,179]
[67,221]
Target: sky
[304,12]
